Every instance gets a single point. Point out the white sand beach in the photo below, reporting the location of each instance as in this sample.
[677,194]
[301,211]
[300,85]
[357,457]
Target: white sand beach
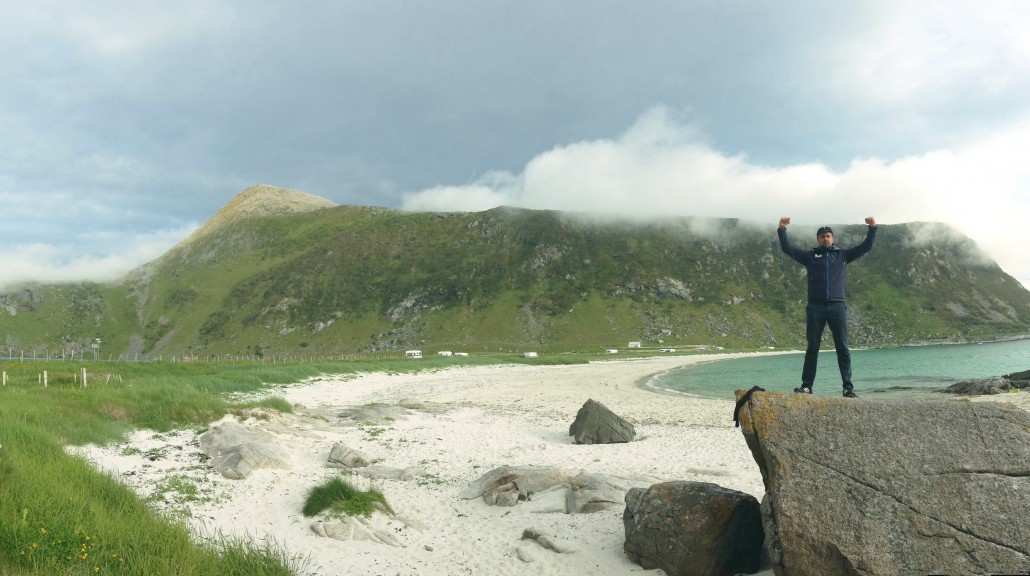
[480,418]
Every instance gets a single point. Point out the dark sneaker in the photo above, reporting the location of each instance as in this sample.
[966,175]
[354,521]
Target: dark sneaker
[849,393]
[803,390]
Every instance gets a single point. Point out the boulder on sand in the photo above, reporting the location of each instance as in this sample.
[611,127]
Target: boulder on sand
[693,528]
[891,487]
[596,424]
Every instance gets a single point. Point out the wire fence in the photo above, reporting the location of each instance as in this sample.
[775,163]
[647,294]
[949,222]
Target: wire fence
[93,353]
[76,356]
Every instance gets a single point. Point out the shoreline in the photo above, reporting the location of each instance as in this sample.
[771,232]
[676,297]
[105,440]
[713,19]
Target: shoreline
[884,378]
[645,381]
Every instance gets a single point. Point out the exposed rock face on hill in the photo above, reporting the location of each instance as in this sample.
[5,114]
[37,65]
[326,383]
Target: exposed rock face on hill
[905,487]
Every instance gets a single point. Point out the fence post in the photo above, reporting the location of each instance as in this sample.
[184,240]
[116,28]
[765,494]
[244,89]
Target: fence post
[83,377]
[5,377]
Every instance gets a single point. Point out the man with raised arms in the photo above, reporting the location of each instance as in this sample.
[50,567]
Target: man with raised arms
[826,265]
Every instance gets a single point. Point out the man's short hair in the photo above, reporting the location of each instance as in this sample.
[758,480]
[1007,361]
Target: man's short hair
[823,230]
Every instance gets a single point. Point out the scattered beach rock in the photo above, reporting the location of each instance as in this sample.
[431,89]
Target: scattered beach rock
[379,413]
[299,424]
[525,555]
[979,387]
[423,406]
[526,479]
[583,492]
[354,528]
[549,501]
[1006,383]
[892,487]
[688,528]
[579,501]
[589,493]
[596,424]
[546,540]
[374,413]
[503,495]
[236,451]
[1023,377]
[342,456]
[378,472]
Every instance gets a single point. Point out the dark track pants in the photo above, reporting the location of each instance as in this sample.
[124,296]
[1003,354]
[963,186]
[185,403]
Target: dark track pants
[817,316]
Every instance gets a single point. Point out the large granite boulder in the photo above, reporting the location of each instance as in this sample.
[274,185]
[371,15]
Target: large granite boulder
[596,424]
[693,528]
[891,487]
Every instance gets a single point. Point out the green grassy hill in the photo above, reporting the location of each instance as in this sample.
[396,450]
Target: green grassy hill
[278,272]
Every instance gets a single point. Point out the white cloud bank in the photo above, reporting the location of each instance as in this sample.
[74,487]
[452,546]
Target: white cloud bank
[51,263]
[661,166]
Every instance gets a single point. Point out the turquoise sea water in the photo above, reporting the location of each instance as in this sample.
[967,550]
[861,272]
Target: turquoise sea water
[882,373]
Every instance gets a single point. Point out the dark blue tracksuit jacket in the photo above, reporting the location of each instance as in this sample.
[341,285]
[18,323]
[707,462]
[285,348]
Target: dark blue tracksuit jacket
[826,266]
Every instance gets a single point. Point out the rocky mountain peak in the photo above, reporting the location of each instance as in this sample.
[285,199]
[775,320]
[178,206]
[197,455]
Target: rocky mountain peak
[260,200]
[264,200]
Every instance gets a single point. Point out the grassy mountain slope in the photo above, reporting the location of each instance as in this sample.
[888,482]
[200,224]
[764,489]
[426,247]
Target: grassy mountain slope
[298,276]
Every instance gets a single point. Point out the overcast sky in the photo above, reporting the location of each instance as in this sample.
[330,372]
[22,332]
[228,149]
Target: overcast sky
[124,125]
